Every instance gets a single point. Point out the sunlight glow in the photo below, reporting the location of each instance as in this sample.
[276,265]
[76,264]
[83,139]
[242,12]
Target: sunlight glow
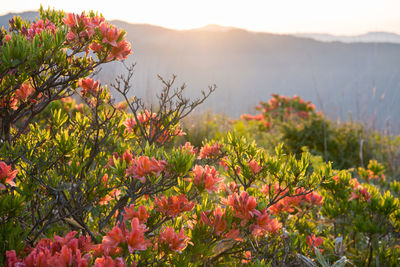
[284,16]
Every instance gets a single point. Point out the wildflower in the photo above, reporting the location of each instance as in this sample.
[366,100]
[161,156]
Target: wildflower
[244,206]
[174,205]
[7,175]
[141,214]
[110,34]
[175,242]
[254,166]
[247,257]
[89,86]
[135,239]
[314,241]
[189,148]
[206,178]
[208,151]
[265,224]
[130,124]
[143,166]
[107,261]
[121,50]
[23,93]
[216,219]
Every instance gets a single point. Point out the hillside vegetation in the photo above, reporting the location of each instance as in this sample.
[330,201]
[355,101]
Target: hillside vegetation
[86,180]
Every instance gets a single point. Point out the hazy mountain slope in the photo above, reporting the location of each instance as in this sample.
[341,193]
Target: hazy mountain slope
[248,67]
[341,78]
[370,37]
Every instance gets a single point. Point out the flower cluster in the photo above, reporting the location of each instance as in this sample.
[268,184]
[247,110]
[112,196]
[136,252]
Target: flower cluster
[210,151]
[173,205]
[206,178]
[82,28]
[7,175]
[142,166]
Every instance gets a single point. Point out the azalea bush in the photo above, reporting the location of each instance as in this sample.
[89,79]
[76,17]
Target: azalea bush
[86,181]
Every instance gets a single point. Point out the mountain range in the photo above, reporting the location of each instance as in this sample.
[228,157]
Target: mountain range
[347,77]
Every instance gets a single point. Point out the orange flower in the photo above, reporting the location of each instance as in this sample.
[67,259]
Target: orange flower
[143,166]
[175,242]
[174,205]
[314,241]
[189,148]
[265,224]
[141,214]
[89,86]
[244,206]
[136,239]
[7,175]
[110,34]
[254,166]
[206,178]
[23,93]
[130,124]
[216,220]
[208,151]
[247,257]
[121,50]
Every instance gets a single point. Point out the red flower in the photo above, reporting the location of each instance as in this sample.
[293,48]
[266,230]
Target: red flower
[175,242]
[208,151]
[107,261]
[254,166]
[189,148]
[314,241]
[266,224]
[89,86]
[7,175]
[23,93]
[216,220]
[136,239]
[141,214]
[174,205]
[110,34]
[206,178]
[244,206]
[143,166]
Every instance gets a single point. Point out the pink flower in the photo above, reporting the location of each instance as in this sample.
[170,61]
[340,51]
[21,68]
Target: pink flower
[314,241]
[208,151]
[216,219]
[89,86]
[135,239]
[189,148]
[23,93]
[141,214]
[7,175]
[254,166]
[175,242]
[110,34]
[173,205]
[244,206]
[130,124]
[206,178]
[143,166]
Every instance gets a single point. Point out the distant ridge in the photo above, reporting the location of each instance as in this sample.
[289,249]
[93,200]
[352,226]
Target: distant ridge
[346,80]
[370,37]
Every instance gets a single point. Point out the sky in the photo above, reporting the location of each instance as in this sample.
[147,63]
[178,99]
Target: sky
[340,17]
